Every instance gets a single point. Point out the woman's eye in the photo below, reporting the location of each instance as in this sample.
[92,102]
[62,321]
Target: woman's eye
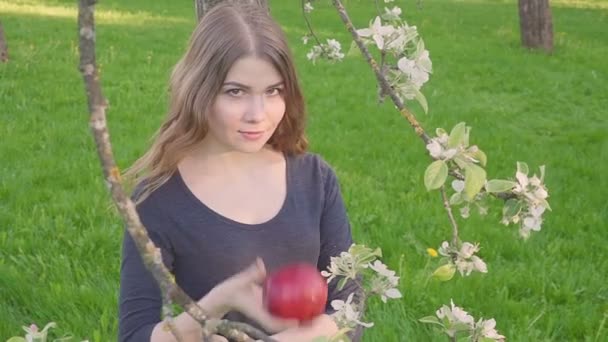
[274,91]
[234,92]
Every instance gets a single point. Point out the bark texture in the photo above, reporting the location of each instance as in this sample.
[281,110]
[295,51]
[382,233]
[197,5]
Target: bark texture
[536,24]
[3,46]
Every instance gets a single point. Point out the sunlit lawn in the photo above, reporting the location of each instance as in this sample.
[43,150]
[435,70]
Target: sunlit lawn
[60,241]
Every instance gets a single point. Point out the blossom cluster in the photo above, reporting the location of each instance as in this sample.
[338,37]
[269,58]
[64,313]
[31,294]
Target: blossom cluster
[531,203]
[454,319]
[463,258]
[332,50]
[411,65]
[359,261]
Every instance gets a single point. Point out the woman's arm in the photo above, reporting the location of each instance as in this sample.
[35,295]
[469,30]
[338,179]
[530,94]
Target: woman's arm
[336,237]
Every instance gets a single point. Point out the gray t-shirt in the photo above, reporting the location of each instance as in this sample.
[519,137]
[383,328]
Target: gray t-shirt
[202,248]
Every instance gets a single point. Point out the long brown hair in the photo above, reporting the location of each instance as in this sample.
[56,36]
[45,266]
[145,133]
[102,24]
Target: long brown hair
[229,31]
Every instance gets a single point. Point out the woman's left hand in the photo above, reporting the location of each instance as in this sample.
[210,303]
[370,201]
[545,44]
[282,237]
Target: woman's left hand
[243,293]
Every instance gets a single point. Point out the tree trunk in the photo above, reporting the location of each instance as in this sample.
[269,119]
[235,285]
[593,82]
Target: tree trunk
[3,46]
[536,24]
[202,6]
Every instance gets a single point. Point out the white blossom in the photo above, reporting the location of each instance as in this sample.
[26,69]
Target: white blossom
[444,249]
[458,185]
[417,69]
[330,50]
[464,258]
[346,314]
[455,319]
[391,14]
[342,265]
[308,7]
[377,32]
[454,316]
[532,195]
[468,249]
[385,284]
[487,329]
[438,150]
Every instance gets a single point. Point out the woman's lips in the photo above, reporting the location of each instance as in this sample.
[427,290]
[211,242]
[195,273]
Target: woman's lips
[252,135]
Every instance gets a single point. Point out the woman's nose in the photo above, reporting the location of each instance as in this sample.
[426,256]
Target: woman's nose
[256,109]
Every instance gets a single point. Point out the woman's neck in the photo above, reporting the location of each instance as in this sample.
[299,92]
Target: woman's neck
[213,162]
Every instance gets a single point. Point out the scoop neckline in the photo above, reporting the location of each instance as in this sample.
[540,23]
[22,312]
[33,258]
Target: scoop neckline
[256,226]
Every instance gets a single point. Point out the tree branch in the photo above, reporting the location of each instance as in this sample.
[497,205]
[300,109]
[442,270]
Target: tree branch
[151,255]
[386,88]
[448,208]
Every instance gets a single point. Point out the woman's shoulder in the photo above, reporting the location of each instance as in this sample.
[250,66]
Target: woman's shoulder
[148,195]
[312,166]
[311,160]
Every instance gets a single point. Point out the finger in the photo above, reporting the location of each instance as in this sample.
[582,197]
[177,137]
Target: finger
[218,338]
[270,323]
[261,268]
[256,272]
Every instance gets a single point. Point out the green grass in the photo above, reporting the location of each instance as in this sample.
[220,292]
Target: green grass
[60,242]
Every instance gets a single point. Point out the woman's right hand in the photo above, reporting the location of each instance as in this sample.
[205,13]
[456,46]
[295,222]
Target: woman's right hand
[243,293]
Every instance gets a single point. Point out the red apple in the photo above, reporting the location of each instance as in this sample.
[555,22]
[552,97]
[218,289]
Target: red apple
[296,291]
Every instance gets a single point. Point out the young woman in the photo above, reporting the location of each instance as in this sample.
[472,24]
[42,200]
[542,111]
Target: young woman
[227,190]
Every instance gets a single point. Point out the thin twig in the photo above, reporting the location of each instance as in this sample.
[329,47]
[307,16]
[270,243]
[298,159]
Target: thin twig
[377,8]
[387,89]
[448,208]
[312,32]
[151,255]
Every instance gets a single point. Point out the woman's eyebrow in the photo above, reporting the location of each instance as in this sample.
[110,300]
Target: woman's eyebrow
[240,85]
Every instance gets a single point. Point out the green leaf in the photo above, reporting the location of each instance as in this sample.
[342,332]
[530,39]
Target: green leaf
[545,204]
[474,179]
[460,161]
[435,175]
[419,47]
[499,185]
[440,131]
[456,199]
[481,156]
[16,339]
[457,135]
[512,207]
[523,168]
[430,319]
[361,250]
[445,272]
[354,50]
[461,327]
[542,173]
[422,101]
[342,282]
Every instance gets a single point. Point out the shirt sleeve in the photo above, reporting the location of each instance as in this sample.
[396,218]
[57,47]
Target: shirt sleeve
[140,300]
[336,237]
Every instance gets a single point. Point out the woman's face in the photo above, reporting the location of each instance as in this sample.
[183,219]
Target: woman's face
[248,108]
